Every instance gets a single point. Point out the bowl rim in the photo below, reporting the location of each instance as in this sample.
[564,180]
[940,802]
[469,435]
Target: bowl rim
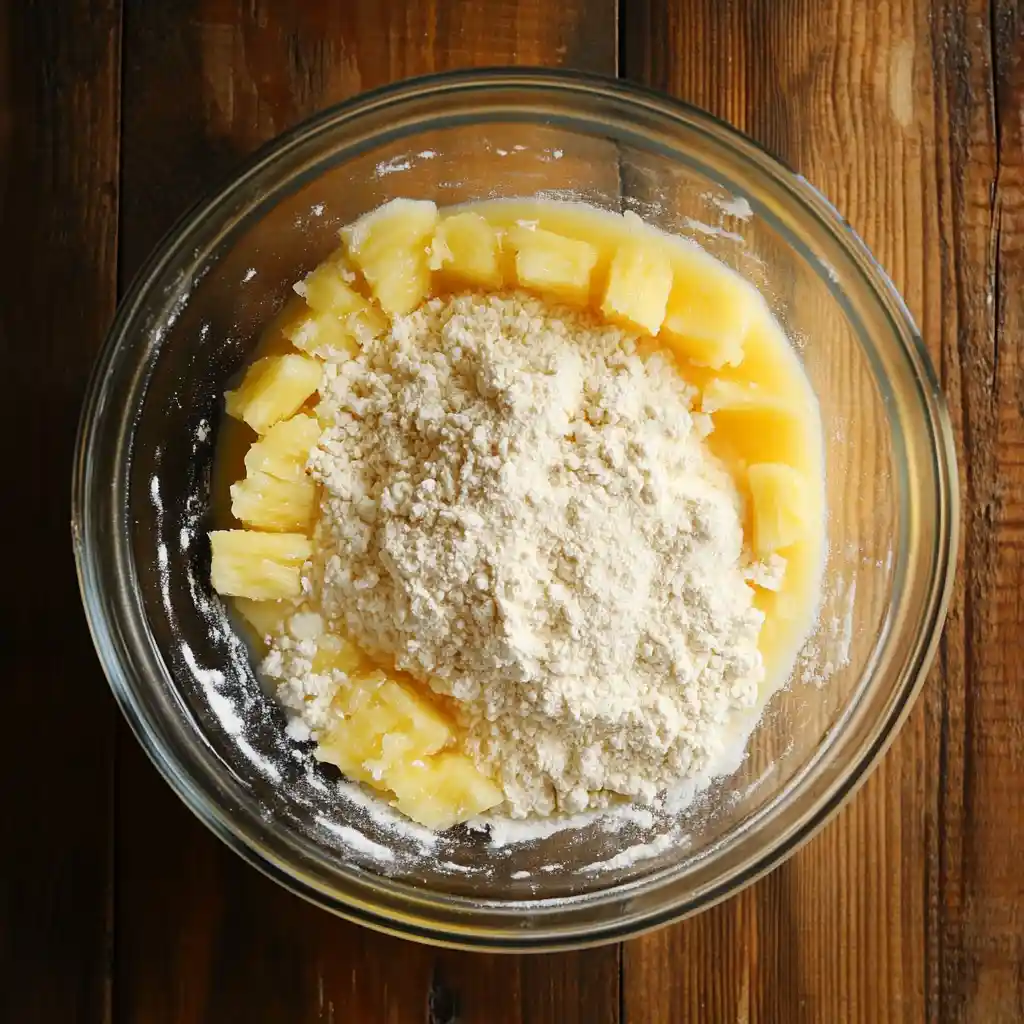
[565,84]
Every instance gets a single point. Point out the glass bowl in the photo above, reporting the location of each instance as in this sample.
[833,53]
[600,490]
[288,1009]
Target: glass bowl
[143,491]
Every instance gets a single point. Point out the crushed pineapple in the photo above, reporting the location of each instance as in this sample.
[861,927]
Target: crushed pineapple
[390,246]
[273,389]
[782,506]
[261,566]
[552,264]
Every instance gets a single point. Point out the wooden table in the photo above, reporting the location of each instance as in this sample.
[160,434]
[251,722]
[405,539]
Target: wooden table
[118,906]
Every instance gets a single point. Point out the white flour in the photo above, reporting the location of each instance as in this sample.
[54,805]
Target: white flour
[518,510]
[634,854]
[357,841]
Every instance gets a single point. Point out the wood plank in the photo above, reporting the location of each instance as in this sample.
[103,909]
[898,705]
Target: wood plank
[58,205]
[979,915]
[244,72]
[201,937]
[908,906]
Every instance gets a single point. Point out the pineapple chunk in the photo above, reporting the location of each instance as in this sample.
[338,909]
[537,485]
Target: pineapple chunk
[639,282]
[267,618]
[336,654]
[268,503]
[752,424]
[327,336]
[709,310]
[390,246]
[362,691]
[326,291]
[465,248]
[273,389]
[261,566]
[284,450]
[342,317]
[552,264]
[736,396]
[346,267]
[441,791]
[782,506]
[385,723]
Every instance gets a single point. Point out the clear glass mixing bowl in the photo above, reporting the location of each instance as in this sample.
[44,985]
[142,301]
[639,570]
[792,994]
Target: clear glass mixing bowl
[142,491]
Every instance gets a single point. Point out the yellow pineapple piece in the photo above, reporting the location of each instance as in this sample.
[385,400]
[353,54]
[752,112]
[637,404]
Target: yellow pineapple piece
[390,246]
[429,727]
[342,318]
[385,723]
[267,618]
[769,361]
[639,282]
[261,566]
[443,790]
[552,264]
[782,506]
[273,388]
[751,424]
[268,503]
[337,654]
[274,340]
[709,310]
[326,290]
[347,269]
[361,691]
[733,396]
[284,449]
[325,335]
[465,249]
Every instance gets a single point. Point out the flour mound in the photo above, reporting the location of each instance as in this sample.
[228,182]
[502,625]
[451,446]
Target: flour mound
[519,509]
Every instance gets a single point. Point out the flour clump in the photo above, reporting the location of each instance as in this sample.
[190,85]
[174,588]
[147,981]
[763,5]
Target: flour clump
[519,510]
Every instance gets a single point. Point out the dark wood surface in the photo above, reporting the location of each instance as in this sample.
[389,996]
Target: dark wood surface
[59,150]
[117,905]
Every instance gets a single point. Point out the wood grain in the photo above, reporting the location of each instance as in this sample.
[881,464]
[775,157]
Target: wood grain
[908,907]
[979,925]
[200,936]
[59,69]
